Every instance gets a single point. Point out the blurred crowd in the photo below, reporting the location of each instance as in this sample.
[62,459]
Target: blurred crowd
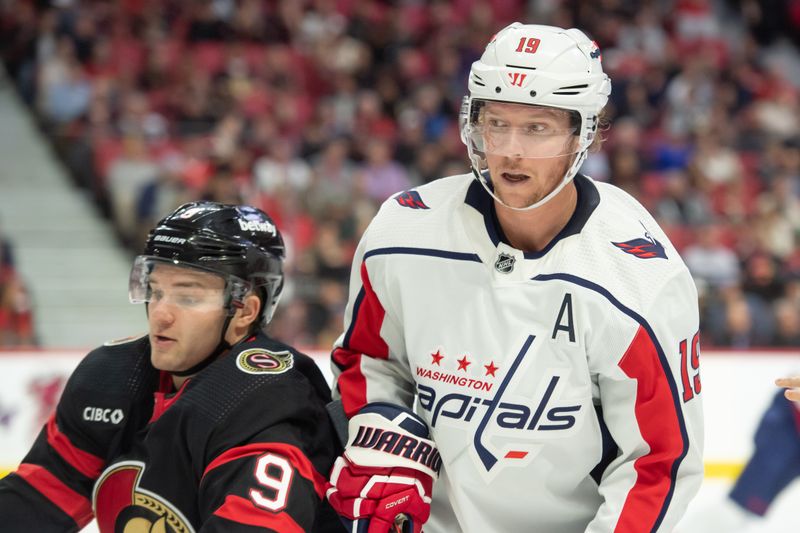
[16,313]
[318,110]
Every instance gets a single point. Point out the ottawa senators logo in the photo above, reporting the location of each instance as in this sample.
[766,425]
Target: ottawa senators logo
[261,361]
[122,506]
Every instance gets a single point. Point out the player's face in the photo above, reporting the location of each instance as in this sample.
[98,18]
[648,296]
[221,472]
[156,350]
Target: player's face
[525,165]
[185,315]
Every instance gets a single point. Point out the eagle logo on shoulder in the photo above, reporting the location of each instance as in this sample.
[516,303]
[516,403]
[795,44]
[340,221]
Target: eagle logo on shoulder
[643,248]
[262,361]
[411,199]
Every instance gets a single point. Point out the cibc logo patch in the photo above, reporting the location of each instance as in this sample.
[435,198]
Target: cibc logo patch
[261,361]
[99,414]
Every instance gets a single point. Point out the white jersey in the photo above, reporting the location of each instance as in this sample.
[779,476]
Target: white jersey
[561,387]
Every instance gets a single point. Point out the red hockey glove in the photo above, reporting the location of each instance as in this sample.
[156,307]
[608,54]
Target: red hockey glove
[387,471]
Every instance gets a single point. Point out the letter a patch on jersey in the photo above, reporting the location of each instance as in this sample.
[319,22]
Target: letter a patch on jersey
[411,199]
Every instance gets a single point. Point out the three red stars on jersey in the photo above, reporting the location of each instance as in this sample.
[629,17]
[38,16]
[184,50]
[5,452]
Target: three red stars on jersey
[463,363]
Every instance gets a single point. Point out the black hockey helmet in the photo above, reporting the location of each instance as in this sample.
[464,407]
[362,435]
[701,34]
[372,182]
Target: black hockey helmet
[238,242]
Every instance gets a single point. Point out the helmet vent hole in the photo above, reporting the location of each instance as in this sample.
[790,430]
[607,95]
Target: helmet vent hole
[533,94]
[497,89]
[571,90]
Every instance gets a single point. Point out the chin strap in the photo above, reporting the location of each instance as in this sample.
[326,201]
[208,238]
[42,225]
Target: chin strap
[576,165]
[222,347]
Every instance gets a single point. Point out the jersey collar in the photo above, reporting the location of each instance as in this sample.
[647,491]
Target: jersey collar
[588,200]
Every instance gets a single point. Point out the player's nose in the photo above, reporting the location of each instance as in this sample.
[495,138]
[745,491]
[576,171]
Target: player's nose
[161,313]
[515,146]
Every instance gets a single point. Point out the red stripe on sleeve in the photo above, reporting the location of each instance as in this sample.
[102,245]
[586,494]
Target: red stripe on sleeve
[351,383]
[84,462]
[52,488]
[659,426]
[242,510]
[295,456]
[364,338]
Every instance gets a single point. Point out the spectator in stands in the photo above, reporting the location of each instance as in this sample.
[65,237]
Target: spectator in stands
[68,98]
[774,226]
[712,264]
[280,171]
[333,176]
[761,277]
[681,204]
[714,163]
[16,312]
[6,253]
[787,324]
[739,321]
[381,175]
[128,176]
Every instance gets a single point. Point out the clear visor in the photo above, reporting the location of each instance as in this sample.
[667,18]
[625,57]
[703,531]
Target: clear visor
[522,130]
[157,281]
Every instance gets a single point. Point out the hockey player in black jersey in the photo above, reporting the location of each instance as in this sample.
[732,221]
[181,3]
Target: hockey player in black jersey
[205,424]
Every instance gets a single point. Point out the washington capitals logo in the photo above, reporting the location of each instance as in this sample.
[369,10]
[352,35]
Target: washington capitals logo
[595,53]
[519,424]
[411,199]
[647,248]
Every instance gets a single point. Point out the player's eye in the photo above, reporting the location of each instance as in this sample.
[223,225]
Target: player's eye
[497,124]
[538,128]
[155,295]
[187,300]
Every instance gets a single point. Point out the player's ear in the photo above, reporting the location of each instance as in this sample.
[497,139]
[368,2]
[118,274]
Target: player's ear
[250,311]
[244,319]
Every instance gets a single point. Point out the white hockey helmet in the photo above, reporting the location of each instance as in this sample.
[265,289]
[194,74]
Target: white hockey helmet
[537,65]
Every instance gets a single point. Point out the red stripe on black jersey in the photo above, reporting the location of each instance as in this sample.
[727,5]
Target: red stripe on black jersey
[165,396]
[243,511]
[363,337]
[84,462]
[659,426]
[73,504]
[295,456]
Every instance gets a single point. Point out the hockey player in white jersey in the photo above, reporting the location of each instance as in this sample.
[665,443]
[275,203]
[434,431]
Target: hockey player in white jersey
[540,326]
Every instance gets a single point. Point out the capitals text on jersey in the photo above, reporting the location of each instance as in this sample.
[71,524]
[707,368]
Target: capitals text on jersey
[505,415]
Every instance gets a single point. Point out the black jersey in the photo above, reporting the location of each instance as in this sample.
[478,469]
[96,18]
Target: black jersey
[242,446]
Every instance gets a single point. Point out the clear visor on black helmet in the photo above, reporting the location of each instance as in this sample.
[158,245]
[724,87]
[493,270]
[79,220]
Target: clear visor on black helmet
[155,280]
[522,130]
